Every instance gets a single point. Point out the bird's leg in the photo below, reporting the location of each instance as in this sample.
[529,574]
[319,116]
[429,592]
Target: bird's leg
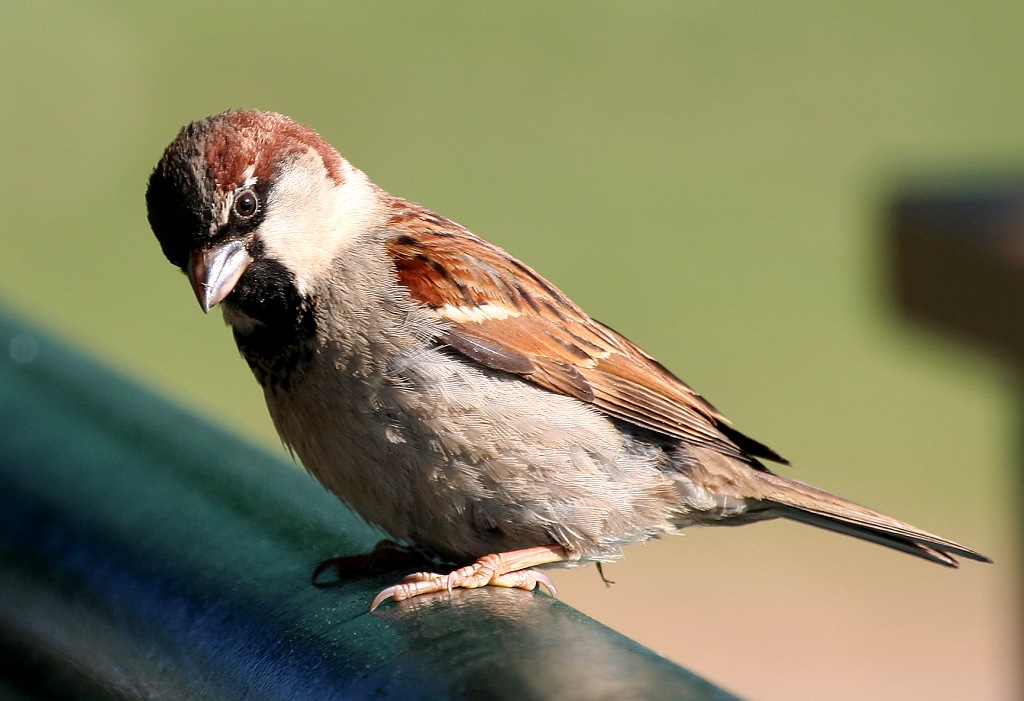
[511,569]
[600,571]
[386,555]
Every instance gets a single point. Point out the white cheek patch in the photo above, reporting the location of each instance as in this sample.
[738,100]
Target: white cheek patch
[310,220]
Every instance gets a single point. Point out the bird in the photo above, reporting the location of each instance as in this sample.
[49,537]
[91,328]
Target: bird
[444,390]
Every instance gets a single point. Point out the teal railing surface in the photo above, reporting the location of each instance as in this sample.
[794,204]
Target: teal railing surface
[145,553]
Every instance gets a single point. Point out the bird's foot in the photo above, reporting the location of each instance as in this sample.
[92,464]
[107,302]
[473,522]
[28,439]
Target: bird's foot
[511,569]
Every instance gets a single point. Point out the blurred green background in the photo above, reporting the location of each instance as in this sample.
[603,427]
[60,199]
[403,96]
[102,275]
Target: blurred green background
[708,178]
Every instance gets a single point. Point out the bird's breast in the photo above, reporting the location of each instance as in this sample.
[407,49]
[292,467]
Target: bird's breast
[446,454]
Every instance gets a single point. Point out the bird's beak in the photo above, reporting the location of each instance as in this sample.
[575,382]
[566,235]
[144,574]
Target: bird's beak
[214,272]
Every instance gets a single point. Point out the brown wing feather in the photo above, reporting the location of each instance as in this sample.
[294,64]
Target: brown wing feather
[505,316]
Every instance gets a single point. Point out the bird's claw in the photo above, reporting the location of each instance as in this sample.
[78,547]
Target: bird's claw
[470,577]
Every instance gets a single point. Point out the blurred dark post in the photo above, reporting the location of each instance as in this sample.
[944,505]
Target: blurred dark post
[144,553]
[958,267]
[959,263]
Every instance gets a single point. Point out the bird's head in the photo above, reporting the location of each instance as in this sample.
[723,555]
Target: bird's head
[253,207]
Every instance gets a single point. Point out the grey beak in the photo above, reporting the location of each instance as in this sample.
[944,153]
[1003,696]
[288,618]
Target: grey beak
[214,272]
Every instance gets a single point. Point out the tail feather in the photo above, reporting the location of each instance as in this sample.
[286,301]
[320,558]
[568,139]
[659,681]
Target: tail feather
[872,535]
[807,504]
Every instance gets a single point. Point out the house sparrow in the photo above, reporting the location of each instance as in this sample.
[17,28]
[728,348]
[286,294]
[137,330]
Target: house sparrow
[444,390]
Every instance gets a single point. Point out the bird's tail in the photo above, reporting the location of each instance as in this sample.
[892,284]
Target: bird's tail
[801,502]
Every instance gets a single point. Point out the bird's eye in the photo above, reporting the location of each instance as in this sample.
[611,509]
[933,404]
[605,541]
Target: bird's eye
[246,204]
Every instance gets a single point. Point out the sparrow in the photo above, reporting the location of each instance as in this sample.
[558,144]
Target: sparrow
[444,390]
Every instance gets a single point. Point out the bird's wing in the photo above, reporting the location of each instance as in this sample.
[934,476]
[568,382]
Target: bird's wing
[505,316]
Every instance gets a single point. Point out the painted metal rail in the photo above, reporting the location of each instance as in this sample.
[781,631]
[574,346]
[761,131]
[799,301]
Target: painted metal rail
[147,554]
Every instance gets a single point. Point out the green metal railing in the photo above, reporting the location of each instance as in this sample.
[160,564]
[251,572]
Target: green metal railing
[147,554]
